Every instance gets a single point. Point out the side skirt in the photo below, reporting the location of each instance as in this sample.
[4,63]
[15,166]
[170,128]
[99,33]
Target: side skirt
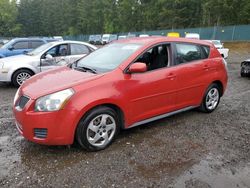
[161,116]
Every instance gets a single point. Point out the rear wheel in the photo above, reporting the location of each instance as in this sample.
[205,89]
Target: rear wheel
[211,99]
[242,74]
[20,76]
[98,129]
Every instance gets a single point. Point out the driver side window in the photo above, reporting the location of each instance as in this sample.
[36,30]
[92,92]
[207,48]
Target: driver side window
[156,57]
[58,51]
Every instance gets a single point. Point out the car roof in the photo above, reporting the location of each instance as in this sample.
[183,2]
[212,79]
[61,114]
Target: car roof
[29,38]
[156,39]
[75,42]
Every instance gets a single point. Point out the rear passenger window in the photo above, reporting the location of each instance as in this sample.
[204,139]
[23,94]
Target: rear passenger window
[21,45]
[187,53]
[35,44]
[78,49]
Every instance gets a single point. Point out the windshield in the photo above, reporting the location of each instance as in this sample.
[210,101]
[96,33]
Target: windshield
[109,57]
[105,38]
[40,49]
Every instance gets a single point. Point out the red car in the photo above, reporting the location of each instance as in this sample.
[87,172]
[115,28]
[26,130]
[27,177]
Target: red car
[124,84]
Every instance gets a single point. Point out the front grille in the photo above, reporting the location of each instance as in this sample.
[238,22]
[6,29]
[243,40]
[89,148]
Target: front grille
[23,100]
[40,133]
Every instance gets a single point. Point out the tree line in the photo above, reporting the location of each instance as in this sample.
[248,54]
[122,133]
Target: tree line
[73,17]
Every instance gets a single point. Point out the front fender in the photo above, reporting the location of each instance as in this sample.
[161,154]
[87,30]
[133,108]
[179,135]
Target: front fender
[16,68]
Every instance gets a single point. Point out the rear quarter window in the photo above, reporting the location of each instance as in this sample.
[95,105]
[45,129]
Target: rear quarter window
[206,51]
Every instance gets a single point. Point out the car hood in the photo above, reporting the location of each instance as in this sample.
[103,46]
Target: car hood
[55,80]
[8,61]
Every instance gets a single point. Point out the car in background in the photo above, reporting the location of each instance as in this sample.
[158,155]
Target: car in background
[192,36]
[92,39]
[122,37]
[143,35]
[173,34]
[245,68]
[131,35]
[107,38]
[20,46]
[98,39]
[122,85]
[58,38]
[220,47]
[18,69]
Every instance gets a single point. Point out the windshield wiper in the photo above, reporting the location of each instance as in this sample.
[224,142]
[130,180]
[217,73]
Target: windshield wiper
[86,69]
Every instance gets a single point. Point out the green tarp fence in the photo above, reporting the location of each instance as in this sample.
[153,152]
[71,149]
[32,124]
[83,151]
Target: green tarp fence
[224,33]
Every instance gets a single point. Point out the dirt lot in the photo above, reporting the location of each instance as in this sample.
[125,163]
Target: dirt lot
[191,149]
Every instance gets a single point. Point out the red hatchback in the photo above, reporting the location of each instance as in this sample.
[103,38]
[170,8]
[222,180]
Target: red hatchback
[122,85]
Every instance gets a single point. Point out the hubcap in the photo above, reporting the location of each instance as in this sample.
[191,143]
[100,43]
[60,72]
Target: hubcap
[22,77]
[212,98]
[101,130]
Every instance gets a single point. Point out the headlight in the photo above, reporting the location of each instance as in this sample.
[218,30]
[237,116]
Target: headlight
[53,102]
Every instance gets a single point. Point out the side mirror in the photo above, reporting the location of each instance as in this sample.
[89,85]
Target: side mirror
[48,57]
[11,48]
[138,67]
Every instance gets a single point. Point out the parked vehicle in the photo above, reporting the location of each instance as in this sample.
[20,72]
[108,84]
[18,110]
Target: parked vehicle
[122,85]
[92,39]
[192,36]
[130,35]
[245,68]
[223,51]
[20,46]
[173,34]
[98,39]
[107,38]
[18,69]
[144,35]
[122,37]
[58,38]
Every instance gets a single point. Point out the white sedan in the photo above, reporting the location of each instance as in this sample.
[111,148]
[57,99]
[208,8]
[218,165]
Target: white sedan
[17,69]
[223,51]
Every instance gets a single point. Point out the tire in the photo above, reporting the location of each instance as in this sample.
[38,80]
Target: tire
[211,99]
[20,76]
[98,129]
[242,74]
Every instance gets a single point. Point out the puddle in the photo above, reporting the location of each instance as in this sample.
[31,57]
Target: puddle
[209,173]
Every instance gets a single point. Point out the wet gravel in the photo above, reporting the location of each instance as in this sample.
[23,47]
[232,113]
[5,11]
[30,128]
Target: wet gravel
[191,149]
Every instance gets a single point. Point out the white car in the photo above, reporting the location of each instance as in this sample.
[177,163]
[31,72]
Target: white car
[17,69]
[107,38]
[192,36]
[223,51]
[143,35]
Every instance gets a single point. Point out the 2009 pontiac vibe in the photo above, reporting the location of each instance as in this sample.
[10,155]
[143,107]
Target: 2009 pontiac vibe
[124,84]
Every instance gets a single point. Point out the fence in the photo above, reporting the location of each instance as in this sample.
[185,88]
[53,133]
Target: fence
[224,33]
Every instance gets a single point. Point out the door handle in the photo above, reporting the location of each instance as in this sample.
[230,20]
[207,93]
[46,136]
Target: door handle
[171,76]
[206,67]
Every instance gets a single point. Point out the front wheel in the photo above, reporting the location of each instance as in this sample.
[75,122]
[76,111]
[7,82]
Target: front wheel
[20,76]
[98,129]
[211,99]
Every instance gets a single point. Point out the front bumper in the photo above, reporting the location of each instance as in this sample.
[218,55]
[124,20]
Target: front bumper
[245,71]
[55,128]
[4,76]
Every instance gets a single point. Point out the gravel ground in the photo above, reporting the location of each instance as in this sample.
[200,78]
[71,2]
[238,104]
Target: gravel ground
[191,149]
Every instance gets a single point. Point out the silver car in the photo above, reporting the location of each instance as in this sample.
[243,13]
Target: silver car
[17,69]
